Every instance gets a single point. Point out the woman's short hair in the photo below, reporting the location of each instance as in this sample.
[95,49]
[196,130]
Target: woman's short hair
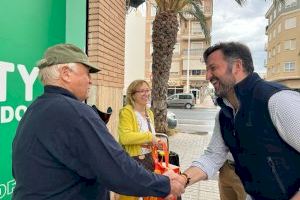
[131,90]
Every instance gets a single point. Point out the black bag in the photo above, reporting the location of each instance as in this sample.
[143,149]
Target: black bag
[104,116]
[173,158]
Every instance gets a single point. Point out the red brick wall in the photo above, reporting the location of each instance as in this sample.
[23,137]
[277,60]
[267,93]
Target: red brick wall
[106,46]
[106,40]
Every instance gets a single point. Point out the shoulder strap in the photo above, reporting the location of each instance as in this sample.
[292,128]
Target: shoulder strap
[148,121]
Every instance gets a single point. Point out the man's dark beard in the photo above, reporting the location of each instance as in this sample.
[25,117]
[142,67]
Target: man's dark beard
[229,83]
[224,90]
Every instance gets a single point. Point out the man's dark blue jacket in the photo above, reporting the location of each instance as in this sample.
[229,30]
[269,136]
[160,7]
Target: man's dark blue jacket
[63,151]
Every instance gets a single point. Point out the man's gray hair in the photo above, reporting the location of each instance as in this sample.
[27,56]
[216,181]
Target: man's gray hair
[50,75]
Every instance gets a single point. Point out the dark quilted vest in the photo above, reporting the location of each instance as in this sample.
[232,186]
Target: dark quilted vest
[268,167]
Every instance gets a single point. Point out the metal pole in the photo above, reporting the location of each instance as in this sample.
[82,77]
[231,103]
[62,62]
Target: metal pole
[188,65]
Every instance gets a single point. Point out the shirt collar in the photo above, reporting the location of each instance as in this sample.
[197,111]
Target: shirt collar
[222,101]
[227,103]
[58,90]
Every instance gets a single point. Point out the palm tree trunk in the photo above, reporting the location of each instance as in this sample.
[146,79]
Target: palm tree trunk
[164,37]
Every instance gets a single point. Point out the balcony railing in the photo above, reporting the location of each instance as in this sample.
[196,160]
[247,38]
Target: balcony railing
[193,36]
[193,52]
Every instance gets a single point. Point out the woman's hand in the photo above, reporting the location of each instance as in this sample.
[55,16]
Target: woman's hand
[155,140]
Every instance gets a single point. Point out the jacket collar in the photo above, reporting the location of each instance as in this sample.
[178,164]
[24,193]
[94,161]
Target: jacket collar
[220,102]
[58,90]
[244,87]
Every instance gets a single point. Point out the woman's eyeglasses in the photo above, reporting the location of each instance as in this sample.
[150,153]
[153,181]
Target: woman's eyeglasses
[143,91]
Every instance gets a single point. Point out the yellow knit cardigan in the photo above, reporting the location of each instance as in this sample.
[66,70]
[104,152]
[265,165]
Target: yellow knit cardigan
[130,136]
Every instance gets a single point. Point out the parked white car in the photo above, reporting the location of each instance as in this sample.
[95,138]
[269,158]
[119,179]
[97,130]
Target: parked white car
[186,100]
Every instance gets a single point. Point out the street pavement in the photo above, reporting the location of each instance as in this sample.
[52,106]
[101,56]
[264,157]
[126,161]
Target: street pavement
[189,147]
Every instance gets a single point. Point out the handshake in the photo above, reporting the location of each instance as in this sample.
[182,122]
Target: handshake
[177,184]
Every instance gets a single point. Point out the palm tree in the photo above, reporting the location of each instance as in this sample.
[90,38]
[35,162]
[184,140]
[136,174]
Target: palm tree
[164,36]
[165,28]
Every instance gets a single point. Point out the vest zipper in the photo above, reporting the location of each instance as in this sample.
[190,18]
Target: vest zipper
[274,171]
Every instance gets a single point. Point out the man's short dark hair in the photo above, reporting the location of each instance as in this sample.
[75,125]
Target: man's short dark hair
[233,50]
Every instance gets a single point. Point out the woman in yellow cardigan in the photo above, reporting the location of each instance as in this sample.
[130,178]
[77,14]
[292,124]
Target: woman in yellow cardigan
[136,126]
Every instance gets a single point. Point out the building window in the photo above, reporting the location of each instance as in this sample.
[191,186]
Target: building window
[289,66]
[175,68]
[196,45]
[184,72]
[290,23]
[199,72]
[290,3]
[279,28]
[278,48]
[179,27]
[195,72]
[290,44]
[273,52]
[176,48]
[196,28]
[274,70]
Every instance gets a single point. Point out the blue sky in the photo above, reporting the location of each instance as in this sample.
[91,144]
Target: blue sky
[244,24]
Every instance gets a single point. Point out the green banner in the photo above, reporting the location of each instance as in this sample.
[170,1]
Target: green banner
[27,28]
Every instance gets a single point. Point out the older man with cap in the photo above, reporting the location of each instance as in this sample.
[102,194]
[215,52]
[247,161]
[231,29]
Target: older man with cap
[62,149]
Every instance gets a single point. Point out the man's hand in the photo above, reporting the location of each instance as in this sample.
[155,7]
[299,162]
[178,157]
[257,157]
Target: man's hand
[296,196]
[177,184]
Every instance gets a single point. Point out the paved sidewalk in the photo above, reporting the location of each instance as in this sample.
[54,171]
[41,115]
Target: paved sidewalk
[189,147]
[206,103]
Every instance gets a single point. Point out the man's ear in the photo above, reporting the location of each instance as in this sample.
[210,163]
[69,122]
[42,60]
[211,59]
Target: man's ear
[237,67]
[65,73]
